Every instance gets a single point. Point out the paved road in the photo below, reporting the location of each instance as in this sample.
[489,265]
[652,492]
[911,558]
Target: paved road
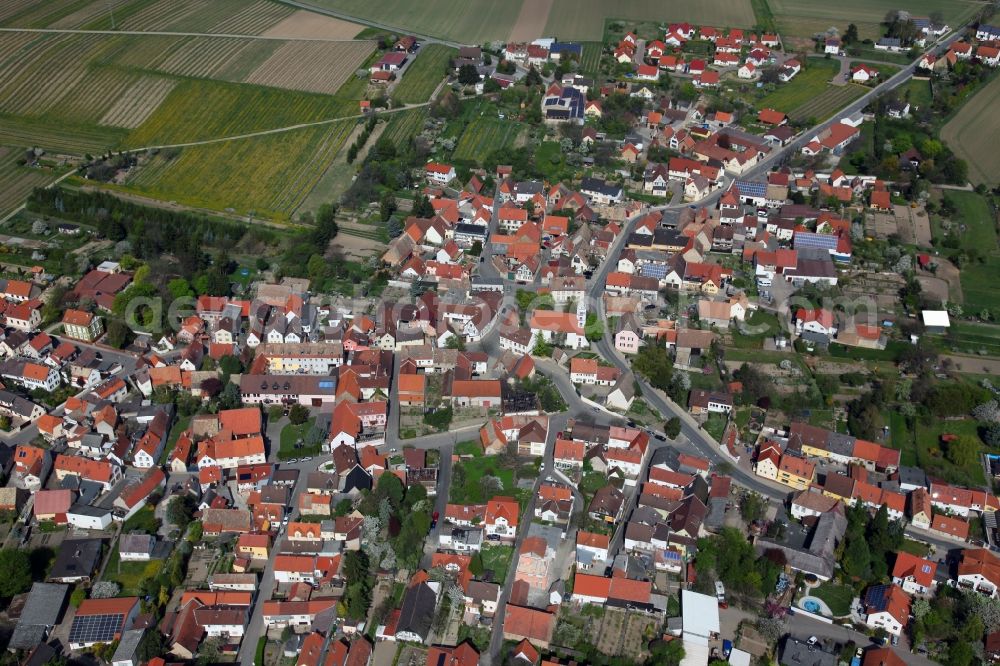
[557,422]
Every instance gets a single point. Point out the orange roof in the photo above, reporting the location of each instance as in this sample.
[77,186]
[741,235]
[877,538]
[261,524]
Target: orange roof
[502,507]
[48,423]
[85,468]
[798,467]
[36,371]
[476,388]
[113,606]
[587,585]
[548,491]
[566,449]
[954,526]
[411,384]
[908,565]
[77,318]
[528,623]
[593,540]
[241,422]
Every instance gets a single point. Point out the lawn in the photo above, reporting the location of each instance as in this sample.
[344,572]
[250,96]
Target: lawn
[144,520]
[977,222]
[837,597]
[972,133]
[497,559]
[266,176]
[549,159]
[130,575]
[585,19]
[915,548]
[917,92]
[469,448]
[484,135]
[715,426]
[980,287]
[758,326]
[803,18]
[931,457]
[290,435]
[423,75]
[470,490]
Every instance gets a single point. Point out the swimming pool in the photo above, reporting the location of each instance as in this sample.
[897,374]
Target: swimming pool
[811,606]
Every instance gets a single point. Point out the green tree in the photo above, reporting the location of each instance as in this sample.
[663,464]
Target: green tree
[15,572]
[672,427]
[77,597]
[180,510]
[668,653]
[468,75]
[118,334]
[298,414]
[962,451]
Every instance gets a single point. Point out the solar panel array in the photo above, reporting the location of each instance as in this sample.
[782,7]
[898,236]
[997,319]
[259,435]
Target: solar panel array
[95,628]
[751,189]
[878,597]
[805,239]
[658,271]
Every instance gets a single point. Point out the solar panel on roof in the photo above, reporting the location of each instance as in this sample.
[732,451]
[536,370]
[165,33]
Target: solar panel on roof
[95,628]
[657,271]
[751,189]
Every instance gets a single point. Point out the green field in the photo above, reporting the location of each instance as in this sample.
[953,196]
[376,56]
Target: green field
[423,75]
[16,182]
[470,22]
[917,92]
[590,63]
[803,18]
[585,19]
[210,16]
[974,134]
[403,126]
[809,90]
[484,135]
[268,175]
[827,103]
[980,287]
[972,337]
[978,223]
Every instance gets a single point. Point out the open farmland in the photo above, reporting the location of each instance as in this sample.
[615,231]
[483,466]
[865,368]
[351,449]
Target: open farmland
[810,83]
[827,103]
[484,135]
[199,110]
[467,22]
[403,126]
[590,63]
[423,75]
[241,17]
[804,18]
[16,182]
[309,25]
[585,19]
[268,175]
[974,134]
[312,66]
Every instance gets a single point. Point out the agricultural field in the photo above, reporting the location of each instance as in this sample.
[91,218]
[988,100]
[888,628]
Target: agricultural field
[210,16]
[827,103]
[81,93]
[199,110]
[484,135]
[973,338]
[804,18]
[423,75]
[590,63]
[404,125]
[585,19]
[974,134]
[808,88]
[977,230]
[16,182]
[320,67]
[268,176]
[470,22]
[980,288]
